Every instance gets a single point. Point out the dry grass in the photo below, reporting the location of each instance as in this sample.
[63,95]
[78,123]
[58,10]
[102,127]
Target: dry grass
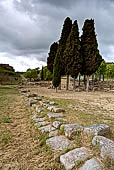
[23,147]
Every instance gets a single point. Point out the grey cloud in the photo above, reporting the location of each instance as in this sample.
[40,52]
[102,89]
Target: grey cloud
[30,26]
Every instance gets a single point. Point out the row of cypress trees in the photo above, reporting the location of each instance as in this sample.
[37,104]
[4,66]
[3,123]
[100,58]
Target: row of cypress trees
[73,54]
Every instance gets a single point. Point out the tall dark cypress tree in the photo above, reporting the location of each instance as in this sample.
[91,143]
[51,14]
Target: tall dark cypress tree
[89,50]
[59,67]
[72,57]
[62,42]
[51,57]
[57,72]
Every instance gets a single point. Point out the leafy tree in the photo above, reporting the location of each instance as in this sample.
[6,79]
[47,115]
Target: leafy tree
[110,70]
[51,57]
[89,50]
[47,75]
[30,73]
[38,70]
[72,57]
[42,74]
[102,69]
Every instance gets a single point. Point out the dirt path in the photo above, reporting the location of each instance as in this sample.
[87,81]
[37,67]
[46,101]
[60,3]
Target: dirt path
[21,152]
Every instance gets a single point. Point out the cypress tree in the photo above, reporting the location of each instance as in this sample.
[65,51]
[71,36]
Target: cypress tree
[56,72]
[51,57]
[62,42]
[72,57]
[89,50]
[59,68]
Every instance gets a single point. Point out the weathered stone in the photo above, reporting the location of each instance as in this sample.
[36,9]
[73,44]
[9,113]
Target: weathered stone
[72,158]
[38,98]
[53,133]
[40,119]
[50,108]
[92,164]
[58,110]
[38,109]
[51,102]
[97,129]
[47,128]
[39,124]
[71,129]
[105,145]
[55,115]
[45,105]
[34,117]
[31,102]
[41,103]
[58,143]
[31,95]
[56,124]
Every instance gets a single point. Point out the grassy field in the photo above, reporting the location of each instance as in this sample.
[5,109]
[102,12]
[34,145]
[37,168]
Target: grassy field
[23,147]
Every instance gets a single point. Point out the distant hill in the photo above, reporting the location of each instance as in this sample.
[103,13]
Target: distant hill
[8,74]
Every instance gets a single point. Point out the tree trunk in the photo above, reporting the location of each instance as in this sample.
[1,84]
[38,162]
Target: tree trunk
[56,89]
[74,84]
[99,77]
[67,82]
[84,82]
[103,76]
[92,79]
[79,80]
[59,88]
[87,88]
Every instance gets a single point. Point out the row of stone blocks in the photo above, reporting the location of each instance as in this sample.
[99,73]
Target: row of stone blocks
[60,143]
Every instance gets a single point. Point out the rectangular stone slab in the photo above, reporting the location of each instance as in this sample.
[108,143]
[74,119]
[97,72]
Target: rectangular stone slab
[71,158]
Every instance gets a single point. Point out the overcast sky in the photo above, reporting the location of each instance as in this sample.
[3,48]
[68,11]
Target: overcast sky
[29,27]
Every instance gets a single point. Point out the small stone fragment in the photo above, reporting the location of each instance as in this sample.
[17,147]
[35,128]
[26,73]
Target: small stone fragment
[72,158]
[50,108]
[55,115]
[53,133]
[31,102]
[105,145]
[92,164]
[58,110]
[39,124]
[51,102]
[58,143]
[56,124]
[38,98]
[97,129]
[31,95]
[71,129]
[47,128]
